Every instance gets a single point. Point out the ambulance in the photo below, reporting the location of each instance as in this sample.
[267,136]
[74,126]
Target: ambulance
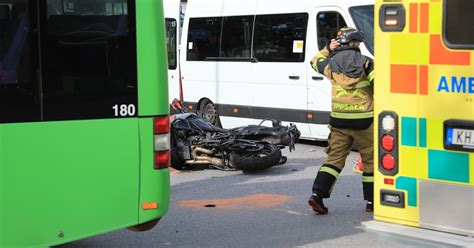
[424,114]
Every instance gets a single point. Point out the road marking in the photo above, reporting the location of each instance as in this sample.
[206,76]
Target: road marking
[295,213]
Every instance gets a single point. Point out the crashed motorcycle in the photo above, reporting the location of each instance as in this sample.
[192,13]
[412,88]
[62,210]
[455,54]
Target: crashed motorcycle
[196,143]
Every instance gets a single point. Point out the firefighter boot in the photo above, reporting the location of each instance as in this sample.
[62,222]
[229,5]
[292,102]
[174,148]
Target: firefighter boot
[322,187]
[368,187]
[316,202]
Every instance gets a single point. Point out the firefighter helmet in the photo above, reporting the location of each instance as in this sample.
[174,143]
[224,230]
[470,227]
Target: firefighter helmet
[345,35]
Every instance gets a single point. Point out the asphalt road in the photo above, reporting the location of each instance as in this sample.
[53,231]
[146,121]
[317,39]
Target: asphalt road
[212,208]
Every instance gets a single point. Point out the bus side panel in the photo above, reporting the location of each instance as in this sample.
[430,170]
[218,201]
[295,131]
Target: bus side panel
[2,187]
[154,184]
[46,179]
[152,59]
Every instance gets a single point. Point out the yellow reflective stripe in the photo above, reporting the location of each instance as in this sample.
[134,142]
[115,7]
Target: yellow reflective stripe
[371,76]
[367,179]
[352,115]
[362,84]
[320,55]
[330,171]
[315,66]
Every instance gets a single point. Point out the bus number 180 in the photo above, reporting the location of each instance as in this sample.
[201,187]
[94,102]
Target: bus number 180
[124,110]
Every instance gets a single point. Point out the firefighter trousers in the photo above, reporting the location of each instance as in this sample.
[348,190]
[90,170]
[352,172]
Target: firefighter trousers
[339,146]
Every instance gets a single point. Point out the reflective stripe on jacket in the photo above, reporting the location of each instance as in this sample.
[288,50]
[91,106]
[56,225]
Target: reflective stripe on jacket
[352,98]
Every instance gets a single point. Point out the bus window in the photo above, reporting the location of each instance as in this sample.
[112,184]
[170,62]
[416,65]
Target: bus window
[203,38]
[275,36]
[328,24]
[363,17]
[171,28]
[237,36]
[458,15]
[18,62]
[90,61]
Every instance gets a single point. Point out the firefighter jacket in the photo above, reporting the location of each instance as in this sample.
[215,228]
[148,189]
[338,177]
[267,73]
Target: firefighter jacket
[351,75]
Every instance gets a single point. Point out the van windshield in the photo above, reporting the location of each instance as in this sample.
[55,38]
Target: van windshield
[363,17]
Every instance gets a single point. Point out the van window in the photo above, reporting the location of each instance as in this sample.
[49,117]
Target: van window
[328,24]
[204,38]
[237,36]
[458,18]
[171,29]
[363,17]
[280,38]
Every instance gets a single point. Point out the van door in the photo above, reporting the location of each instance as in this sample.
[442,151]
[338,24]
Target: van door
[279,82]
[326,21]
[172,20]
[234,69]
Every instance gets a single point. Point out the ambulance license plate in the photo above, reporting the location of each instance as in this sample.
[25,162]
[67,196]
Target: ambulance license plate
[460,138]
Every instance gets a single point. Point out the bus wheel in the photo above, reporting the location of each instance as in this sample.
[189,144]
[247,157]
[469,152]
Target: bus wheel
[208,111]
[144,226]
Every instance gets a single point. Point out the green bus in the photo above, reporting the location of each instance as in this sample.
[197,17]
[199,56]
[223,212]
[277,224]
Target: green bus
[84,119]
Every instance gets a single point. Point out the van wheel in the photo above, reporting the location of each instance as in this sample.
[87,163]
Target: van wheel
[208,111]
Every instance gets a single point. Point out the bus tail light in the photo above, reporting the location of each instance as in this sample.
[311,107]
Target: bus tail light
[161,125]
[388,143]
[161,129]
[162,159]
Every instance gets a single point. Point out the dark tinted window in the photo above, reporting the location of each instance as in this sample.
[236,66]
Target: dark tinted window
[328,24]
[236,36]
[280,37]
[90,7]
[171,27]
[458,21]
[203,38]
[89,60]
[19,87]
[364,20]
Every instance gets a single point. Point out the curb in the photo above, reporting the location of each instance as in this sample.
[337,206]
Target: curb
[437,237]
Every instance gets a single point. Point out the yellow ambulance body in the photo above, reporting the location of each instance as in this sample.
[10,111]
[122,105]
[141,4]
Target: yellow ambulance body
[424,114]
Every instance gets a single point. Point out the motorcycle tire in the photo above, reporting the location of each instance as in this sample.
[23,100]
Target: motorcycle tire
[267,157]
[177,162]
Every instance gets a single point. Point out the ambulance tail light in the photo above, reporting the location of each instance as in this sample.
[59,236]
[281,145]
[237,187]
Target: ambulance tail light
[388,162]
[388,143]
[161,131]
[392,17]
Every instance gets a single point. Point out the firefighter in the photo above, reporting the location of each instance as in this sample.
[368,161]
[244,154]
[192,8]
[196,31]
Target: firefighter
[351,75]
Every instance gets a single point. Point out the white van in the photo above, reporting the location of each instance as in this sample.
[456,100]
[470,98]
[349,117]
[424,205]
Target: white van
[244,61]
[172,21]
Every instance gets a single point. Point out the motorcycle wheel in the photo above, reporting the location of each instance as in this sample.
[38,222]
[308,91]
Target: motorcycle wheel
[259,160]
[208,111]
[176,161]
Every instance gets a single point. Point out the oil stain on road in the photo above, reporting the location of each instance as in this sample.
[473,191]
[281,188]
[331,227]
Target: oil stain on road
[258,200]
